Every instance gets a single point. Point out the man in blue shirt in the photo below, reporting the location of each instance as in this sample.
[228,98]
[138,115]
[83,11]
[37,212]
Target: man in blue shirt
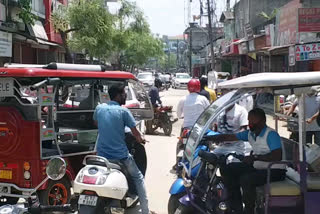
[111,120]
[252,171]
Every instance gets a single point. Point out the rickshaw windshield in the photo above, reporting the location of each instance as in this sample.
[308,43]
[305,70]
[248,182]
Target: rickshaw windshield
[203,123]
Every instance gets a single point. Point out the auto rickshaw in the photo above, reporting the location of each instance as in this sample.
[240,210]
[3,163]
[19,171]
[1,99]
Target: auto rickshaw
[47,111]
[299,193]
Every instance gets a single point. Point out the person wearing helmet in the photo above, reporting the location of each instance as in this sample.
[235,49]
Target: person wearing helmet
[191,106]
[204,87]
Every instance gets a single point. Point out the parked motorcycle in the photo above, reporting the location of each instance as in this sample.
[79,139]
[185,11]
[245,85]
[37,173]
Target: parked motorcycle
[55,170]
[206,193]
[162,119]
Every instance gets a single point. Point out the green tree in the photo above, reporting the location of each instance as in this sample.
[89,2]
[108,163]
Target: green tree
[133,41]
[91,26]
[271,16]
[25,13]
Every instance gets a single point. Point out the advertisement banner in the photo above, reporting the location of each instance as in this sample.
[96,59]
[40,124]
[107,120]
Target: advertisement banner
[287,31]
[5,44]
[307,52]
[309,20]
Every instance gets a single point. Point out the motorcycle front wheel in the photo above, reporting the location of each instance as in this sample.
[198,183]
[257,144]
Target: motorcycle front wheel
[182,209]
[174,203]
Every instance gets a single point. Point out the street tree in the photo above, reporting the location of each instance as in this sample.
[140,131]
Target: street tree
[85,25]
[133,41]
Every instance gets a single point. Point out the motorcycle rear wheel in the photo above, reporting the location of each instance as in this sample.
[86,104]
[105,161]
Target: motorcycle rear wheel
[167,126]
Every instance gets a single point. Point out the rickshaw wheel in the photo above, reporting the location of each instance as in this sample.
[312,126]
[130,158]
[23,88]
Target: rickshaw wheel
[57,193]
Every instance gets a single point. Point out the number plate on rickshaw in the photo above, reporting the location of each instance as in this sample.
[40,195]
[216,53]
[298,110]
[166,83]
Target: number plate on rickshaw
[6,87]
[88,200]
[5,174]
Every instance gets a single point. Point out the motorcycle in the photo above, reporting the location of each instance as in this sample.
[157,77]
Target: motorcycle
[162,119]
[206,193]
[177,189]
[55,170]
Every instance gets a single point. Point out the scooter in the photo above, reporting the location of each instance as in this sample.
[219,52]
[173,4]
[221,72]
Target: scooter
[178,189]
[55,170]
[103,187]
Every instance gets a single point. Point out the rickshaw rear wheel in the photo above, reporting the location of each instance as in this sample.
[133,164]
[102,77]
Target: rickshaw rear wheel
[57,193]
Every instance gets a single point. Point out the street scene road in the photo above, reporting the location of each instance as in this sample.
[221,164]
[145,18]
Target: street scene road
[161,157]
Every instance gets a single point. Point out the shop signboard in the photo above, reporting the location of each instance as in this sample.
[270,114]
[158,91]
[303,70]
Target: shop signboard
[243,48]
[307,52]
[309,20]
[5,44]
[287,30]
[251,45]
[292,58]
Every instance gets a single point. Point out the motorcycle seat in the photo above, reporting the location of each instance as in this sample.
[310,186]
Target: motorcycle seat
[101,163]
[208,157]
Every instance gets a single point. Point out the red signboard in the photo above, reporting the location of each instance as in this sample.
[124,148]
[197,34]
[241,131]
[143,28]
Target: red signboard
[309,20]
[288,23]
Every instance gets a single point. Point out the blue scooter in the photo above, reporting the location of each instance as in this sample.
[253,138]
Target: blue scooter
[177,189]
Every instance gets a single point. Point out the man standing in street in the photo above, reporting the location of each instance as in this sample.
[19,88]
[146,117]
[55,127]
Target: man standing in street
[111,120]
[204,86]
[252,171]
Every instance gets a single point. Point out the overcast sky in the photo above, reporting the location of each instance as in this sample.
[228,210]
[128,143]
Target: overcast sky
[169,17]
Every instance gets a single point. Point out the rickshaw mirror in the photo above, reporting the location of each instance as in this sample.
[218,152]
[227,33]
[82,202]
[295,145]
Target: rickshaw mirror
[56,168]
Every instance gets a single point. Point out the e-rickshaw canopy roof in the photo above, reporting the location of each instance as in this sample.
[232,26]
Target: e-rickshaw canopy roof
[263,80]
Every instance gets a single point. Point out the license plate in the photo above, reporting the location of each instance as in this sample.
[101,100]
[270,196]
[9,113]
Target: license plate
[6,87]
[5,174]
[88,200]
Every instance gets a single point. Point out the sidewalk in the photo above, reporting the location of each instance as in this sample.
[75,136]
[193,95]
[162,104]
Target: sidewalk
[282,126]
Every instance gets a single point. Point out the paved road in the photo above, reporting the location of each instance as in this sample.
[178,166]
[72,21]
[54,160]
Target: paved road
[161,157]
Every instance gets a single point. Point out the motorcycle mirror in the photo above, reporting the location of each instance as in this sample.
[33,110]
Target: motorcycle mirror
[56,168]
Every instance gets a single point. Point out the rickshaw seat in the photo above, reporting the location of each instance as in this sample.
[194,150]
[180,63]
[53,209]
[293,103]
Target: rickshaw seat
[286,187]
[313,179]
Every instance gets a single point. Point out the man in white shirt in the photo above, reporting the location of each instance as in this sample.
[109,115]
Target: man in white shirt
[233,120]
[312,104]
[192,106]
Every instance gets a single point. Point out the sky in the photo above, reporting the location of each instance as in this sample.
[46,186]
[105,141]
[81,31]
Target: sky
[169,17]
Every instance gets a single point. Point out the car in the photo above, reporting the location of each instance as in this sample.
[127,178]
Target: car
[146,78]
[181,80]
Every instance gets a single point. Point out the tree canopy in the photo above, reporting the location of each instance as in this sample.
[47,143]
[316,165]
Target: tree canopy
[124,38]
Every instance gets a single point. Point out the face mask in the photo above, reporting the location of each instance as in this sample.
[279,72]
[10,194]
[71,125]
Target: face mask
[253,127]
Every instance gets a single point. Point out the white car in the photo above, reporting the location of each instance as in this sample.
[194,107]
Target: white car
[181,80]
[147,79]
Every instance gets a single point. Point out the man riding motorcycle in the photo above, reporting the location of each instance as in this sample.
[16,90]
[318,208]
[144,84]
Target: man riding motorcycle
[190,108]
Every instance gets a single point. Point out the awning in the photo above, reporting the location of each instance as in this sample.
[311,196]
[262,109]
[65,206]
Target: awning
[280,49]
[37,30]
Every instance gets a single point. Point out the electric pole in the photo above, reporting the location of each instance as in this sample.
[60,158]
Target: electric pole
[210,34]
[190,50]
